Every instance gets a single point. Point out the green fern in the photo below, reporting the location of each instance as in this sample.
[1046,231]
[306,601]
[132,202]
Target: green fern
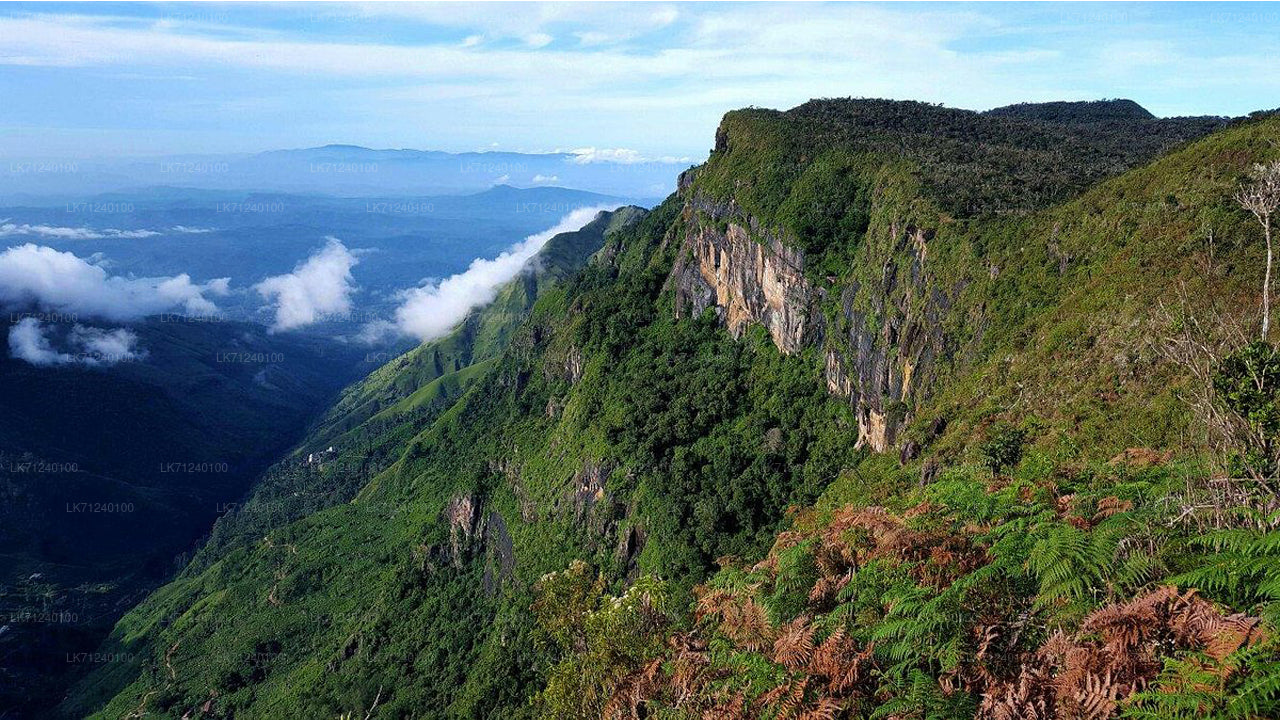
[1192,687]
[919,696]
[1242,568]
[1068,563]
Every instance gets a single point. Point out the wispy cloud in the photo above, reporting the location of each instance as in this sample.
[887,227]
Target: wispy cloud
[8,229]
[583,74]
[621,156]
[433,310]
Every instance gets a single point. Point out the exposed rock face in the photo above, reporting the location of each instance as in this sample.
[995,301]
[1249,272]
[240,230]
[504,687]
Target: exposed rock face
[566,365]
[592,502]
[573,365]
[473,533]
[885,355]
[500,559]
[463,516]
[629,548]
[888,335]
[746,272]
[589,488]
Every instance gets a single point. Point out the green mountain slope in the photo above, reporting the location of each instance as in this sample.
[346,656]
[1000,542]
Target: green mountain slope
[839,311]
[1053,535]
[481,336]
[366,429]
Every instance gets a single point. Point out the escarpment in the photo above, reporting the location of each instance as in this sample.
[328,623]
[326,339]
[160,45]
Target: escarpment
[747,273]
[822,224]
[878,330]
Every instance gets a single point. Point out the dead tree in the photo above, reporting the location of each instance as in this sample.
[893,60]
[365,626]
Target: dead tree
[1260,195]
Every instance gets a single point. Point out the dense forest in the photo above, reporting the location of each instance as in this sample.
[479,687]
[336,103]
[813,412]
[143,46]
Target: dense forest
[890,411]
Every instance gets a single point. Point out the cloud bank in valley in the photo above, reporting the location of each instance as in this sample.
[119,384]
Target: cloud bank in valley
[8,229]
[619,156]
[432,310]
[320,287]
[63,282]
[92,346]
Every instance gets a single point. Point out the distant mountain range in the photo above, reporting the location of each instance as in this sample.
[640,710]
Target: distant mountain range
[345,170]
[248,235]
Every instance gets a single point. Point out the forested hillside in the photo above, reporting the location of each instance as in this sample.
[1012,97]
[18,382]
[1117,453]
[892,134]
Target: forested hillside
[368,426]
[890,411]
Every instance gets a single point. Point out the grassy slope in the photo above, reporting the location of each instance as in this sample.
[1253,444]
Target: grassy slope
[481,336]
[708,440]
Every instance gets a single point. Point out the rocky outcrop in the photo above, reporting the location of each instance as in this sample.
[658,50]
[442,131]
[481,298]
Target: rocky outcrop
[588,488]
[463,515]
[885,354]
[593,504]
[747,273]
[887,335]
[475,533]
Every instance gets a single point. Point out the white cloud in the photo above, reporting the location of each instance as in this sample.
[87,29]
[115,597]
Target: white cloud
[87,345]
[472,40]
[538,40]
[27,342]
[108,346]
[620,156]
[433,310]
[318,287]
[8,229]
[545,178]
[63,282]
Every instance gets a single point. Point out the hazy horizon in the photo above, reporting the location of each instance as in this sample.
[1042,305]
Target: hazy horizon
[644,81]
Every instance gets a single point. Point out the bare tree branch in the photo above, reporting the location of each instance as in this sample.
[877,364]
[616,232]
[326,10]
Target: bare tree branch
[1260,195]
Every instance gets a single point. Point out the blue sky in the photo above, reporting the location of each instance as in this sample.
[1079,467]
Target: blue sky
[106,79]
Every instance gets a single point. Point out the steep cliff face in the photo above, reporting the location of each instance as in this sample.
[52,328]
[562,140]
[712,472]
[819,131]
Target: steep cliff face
[890,338]
[747,273]
[878,329]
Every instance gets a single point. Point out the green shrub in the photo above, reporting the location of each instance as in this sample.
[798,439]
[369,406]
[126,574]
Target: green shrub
[1247,383]
[1003,448]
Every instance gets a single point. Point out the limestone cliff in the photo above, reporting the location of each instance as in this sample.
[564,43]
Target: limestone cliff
[746,272]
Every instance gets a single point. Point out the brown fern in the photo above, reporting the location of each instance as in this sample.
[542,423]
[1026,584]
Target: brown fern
[1119,650]
[794,644]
